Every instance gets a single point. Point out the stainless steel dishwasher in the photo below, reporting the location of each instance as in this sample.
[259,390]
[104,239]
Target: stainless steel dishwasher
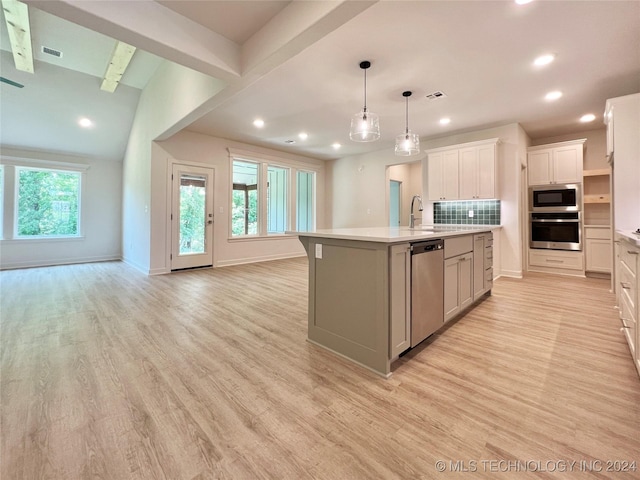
[427,289]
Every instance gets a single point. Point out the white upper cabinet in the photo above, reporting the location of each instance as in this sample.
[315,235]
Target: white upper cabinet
[462,172]
[555,163]
[442,174]
[478,172]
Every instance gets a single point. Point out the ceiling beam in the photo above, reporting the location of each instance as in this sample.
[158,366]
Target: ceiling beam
[119,62]
[16,15]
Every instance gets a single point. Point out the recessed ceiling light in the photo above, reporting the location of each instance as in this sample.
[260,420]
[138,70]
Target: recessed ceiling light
[523,2]
[258,122]
[445,121]
[289,142]
[544,59]
[336,146]
[85,122]
[555,95]
[589,117]
[303,136]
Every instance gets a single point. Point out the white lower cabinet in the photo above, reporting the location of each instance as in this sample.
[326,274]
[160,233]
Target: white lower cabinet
[400,298]
[628,293]
[556,260]
[597,249]
[482,264]
[458,284]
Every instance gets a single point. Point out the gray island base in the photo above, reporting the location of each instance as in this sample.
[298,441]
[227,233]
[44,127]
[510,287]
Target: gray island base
[360,287]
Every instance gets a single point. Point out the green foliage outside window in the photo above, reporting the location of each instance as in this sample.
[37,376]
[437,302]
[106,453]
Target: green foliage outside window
[238,226]
[48,203]
[192,219]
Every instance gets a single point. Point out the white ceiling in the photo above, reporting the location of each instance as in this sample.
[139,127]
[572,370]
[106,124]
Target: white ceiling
[479,53]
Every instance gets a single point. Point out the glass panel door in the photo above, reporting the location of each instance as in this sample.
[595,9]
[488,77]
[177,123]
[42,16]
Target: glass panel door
[192,217]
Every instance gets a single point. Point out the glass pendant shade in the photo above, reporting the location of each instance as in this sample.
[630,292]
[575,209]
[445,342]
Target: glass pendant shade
[365,127]
[407,144]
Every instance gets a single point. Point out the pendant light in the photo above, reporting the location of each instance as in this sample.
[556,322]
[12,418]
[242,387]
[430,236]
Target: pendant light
[407,143]
[365,126]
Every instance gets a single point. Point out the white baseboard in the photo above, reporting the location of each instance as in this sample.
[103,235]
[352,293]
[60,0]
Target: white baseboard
[135,265]
[54,262]
[510,274]
[159,271]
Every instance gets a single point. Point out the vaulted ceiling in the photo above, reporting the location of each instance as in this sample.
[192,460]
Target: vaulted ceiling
[479,53]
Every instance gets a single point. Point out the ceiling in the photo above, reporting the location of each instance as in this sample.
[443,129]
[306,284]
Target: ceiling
[479,53]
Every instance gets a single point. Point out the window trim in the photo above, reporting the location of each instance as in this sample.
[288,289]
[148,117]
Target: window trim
[10,193]
[264,161]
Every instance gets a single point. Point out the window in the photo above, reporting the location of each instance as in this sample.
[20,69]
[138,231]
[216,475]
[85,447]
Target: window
[244,211]
[305,201]
[270,196]
[277,187]
[48,203]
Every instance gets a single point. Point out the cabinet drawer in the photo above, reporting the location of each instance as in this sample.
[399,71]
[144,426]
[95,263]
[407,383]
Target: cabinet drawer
[457,246]
[488,278]
[599,233]
[556,259]
[628,285]
[629,256]
[629,323]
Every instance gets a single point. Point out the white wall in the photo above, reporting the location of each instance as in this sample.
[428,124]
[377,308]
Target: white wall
[100,216]
[357,185]
[172,93]
[595,153]
[410,174]
[197,148]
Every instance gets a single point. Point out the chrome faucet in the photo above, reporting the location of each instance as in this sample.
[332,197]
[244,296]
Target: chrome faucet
[412,218]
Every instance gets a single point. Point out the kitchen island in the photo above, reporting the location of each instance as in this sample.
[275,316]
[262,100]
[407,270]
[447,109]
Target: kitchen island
[360,286]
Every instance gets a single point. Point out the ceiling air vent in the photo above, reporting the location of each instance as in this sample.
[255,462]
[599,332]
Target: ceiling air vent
[51,51]
[436,95]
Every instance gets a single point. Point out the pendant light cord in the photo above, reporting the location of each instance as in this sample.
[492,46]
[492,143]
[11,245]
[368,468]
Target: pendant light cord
[407,116]
[365,91]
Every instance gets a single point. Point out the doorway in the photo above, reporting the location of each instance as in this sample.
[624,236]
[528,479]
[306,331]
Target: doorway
[191,217]
[395,203]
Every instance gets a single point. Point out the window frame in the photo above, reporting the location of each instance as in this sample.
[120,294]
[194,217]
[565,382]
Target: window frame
[9,202]
[264,162]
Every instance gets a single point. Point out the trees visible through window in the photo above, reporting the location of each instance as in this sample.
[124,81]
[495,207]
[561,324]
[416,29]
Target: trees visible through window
[48,203]
[244,210]
[193,191]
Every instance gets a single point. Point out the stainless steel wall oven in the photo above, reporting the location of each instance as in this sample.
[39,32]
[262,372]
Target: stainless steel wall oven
[555,230]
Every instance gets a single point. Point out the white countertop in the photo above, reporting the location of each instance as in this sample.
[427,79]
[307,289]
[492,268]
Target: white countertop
[630,236]
[397,234]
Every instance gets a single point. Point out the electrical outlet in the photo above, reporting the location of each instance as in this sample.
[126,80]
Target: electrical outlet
[470,213]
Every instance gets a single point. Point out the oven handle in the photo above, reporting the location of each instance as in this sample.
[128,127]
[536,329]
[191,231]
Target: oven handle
[554,220]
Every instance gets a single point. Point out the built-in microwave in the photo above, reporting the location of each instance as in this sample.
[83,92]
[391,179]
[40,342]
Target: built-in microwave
[555,198]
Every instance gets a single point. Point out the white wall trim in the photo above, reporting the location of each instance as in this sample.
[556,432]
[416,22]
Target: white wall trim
[510,274]
[276,161]
[262,258]
[135,265]
[52,263]
[38,163]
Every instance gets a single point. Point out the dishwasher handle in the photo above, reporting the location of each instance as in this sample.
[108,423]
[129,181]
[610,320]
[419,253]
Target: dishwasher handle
[426,247]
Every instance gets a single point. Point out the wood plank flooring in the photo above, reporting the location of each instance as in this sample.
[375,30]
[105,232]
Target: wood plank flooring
[109,374]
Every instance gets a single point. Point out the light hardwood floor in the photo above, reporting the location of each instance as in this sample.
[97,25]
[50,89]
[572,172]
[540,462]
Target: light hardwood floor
[109,374]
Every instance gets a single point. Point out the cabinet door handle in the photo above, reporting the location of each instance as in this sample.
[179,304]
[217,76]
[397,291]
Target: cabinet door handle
[554,261]
[631,252]
[625,285]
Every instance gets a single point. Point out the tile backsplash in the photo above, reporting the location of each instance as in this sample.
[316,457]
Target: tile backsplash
[485,212]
